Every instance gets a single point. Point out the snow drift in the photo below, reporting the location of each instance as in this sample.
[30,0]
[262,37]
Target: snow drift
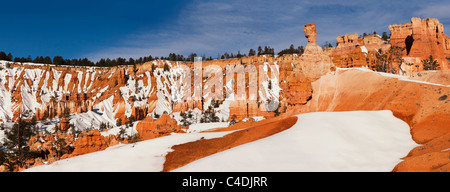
[319,141]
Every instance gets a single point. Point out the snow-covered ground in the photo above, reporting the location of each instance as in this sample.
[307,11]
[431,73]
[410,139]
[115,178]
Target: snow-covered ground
[199,127]
[320,141]
[399,77]
[148,156]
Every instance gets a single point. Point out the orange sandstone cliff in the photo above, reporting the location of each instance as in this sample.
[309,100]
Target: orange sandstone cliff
[147,97]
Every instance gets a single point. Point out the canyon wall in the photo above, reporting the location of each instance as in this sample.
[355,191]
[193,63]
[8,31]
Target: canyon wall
[421,38]
[159,93]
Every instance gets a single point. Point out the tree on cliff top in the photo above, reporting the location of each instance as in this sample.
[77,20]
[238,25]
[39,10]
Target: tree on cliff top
[251,52]
[3,56]
[292,50]
[385,37]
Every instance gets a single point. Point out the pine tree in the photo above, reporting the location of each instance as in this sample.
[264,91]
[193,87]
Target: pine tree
[251,52]
[29,59]
[239,55]
[3,56]
[48,60]
[233,120]
[430,64]
[385,36]
[385,61]
[58,60]
[119,122]
[260,52]
[16,143]
[301,50]
[9,57]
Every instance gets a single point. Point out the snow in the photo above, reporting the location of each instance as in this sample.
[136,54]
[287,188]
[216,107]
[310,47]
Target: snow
[5,98]
[45,93]
[196,116]
[100,92]
[142,156]
[264,91]
[399,77]
[56,76]
[2,136]
[80,76]
[103,112]
[322,141]
[106,107]
[364,49]
[110,75]
[85,82]
[319,141]
[28,98]
[256,118]
[67,79]
[199,127]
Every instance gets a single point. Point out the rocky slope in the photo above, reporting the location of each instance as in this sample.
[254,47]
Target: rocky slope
[158,98]
[424,106]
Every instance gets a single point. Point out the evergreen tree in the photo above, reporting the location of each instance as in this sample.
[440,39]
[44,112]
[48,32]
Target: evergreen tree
[58,60]
[385,36]
[233,120]
[239,55]
[301,49]
[48,60]
[38,59]
[29,59]
[119,122]
[292,50]
[266,50]
[16,143]
[430,64]
[386,60]
[251,52]
[3,56]
[9,57]
[260,52]
[131,61]
[192,56]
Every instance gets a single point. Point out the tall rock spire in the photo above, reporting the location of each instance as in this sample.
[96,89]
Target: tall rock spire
[314,62]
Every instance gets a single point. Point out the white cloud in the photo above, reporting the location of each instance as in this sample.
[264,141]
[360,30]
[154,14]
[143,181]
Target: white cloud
[440,11]
[215,27]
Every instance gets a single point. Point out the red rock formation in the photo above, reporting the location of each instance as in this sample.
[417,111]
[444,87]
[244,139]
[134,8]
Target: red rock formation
[82,91]
[64,125]
[346,43]
[424,107]
[52,147]
[150,128]
[89,142]
[352,51]
[422,38]
[313,62]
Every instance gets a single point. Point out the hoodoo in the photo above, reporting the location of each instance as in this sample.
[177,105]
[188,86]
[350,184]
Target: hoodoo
[314,62]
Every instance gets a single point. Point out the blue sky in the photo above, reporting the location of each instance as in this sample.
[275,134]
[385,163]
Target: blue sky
[134,28]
